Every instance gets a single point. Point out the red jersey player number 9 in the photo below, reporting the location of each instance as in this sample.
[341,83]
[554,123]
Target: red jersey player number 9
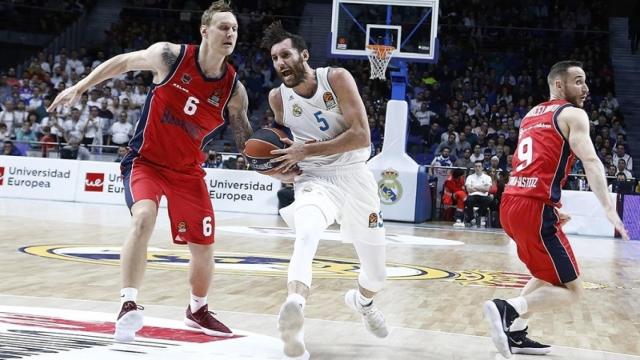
[525,153]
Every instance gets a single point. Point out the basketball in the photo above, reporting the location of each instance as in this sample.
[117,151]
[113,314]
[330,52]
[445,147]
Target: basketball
[258,148]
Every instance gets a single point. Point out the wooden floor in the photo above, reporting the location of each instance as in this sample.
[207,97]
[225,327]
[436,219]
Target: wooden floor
[433,303]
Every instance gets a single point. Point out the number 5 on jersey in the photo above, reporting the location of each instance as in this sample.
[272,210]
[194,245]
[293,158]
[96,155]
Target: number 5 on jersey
[324,125]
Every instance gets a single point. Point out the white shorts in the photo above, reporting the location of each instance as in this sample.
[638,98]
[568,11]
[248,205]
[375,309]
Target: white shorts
[348,195]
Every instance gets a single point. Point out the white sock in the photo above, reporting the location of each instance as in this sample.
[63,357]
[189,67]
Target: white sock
[518,324]
[363,300]
[197,302]
[128,294]
[298,299]
[520,304]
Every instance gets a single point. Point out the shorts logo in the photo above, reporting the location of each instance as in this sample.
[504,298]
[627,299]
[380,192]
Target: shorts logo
[94,182]
[296,110]
[1,175]
[389,188]
[329,101]
[375,220]
[182,227]
[186,78]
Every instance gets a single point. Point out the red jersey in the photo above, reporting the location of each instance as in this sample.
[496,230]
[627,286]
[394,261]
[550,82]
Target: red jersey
[543,158]
[452,185]
[181,114]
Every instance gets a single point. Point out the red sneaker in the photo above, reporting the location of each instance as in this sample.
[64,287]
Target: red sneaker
[203,319]
[129,321]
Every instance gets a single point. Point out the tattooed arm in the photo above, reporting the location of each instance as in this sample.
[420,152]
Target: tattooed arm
[157,58]
[238,119]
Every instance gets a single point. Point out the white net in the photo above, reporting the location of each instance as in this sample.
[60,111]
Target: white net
[379,57]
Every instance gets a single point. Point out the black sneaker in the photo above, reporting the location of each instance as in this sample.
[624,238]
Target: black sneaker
[203,319]
[500,315]
[521,344]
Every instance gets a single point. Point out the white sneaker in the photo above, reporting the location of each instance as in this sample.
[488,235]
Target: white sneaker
[483,222]
[130,320]
[458,224]
[290,322]
[371,317]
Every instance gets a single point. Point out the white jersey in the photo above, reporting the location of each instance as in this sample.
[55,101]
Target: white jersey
[318,118]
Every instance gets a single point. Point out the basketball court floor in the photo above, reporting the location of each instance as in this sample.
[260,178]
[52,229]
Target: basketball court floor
[60,282]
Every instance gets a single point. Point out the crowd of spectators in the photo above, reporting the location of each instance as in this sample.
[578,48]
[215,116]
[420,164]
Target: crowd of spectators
[40,16]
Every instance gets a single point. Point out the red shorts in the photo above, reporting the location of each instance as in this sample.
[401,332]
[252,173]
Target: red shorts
[542,245]
[190,210]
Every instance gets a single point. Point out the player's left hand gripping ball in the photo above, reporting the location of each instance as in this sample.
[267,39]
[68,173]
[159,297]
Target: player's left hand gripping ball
[289,156]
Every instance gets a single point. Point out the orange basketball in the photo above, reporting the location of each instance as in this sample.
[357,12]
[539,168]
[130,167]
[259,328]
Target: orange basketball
[258,148]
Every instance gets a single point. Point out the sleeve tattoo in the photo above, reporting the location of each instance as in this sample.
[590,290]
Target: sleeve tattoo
[238,117]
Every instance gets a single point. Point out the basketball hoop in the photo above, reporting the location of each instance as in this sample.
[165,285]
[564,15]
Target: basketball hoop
[379,57]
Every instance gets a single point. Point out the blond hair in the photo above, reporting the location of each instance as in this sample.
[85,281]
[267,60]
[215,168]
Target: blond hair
[216,7]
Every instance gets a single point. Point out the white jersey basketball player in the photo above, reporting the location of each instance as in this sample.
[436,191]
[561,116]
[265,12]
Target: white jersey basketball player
[324,111]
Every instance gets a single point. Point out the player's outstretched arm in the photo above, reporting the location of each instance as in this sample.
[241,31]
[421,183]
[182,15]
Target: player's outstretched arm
[577,122]
[238,119]
[158,58]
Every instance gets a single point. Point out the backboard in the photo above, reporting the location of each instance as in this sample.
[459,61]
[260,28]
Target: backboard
[408,25]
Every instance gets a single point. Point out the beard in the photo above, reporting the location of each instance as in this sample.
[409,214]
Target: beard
[575,100]
[574,97]
[296,77]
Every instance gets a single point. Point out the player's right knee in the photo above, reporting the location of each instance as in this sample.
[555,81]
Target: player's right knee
[143,220]
[310,219]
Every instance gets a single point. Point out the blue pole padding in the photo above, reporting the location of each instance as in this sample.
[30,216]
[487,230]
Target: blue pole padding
[399,82]
[423,197]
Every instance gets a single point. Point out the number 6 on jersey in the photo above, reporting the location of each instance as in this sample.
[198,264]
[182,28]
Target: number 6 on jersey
[525,153]
[191,105]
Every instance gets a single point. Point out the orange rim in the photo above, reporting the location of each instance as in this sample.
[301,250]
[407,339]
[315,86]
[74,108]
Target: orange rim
[381,51]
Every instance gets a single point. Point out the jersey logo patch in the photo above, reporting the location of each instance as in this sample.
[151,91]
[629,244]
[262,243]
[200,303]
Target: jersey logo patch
[214,99]
[186,78]
[296,110]
[329,101]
